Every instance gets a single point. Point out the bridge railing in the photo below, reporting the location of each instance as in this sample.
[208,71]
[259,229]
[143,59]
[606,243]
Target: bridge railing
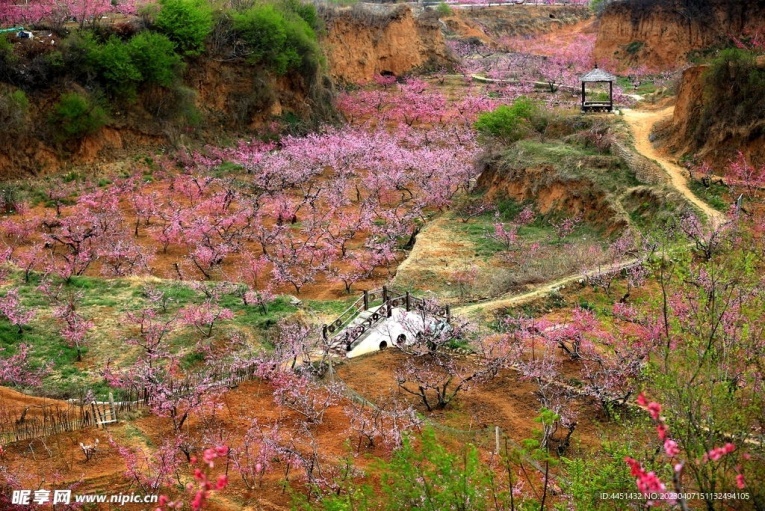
[388,297]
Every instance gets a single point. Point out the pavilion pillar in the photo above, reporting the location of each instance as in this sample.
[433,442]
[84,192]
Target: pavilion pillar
[610,96]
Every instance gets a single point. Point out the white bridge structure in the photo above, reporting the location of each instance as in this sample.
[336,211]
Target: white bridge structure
[381,318]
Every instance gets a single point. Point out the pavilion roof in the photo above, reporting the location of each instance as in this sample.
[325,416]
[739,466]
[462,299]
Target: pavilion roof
[598,75]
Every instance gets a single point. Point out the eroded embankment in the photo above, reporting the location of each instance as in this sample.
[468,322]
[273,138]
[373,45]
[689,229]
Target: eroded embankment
[553,192]
[606,190]
[490,25]
[365,40]
[661,34]
[715,139]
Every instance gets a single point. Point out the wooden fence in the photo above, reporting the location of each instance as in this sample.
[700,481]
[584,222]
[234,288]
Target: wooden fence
[39,421]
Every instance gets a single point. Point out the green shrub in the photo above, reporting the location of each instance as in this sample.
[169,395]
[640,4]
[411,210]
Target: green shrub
[597,6]
[148,58]
[115,66]
[278,39]
[509,123]
[587,479]
[186,22]
[263,29]
[306,11]
[6,49]
[154,56]
[443,9]
[634,47]
[14,108]
[78,54]
[76,115]
[20,100]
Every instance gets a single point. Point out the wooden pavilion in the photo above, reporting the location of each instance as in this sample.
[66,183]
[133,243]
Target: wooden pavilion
[598,76]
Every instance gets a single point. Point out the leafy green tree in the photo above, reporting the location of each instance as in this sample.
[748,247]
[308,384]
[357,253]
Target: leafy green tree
[586,479]
[707,370]
[443,9]
[306,11]
[187,23]
[432,478]
[115,66]
[263,29]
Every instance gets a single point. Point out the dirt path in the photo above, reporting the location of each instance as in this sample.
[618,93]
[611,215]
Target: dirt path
[437,253]
[641,122]
[510,300]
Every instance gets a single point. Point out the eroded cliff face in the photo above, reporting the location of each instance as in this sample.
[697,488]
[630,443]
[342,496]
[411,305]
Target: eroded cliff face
[720,142]
[660,34]
[363,41]
[552,192]
[688,108]
[490,25]
[229,99]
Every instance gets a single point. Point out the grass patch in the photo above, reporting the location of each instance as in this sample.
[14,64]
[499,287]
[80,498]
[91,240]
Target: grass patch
[251,316]
[715,194]
[227,168]
[646,86]
[105,301]
[132,432]
[178,294]
[331,307]
[570,162]
[101,292]
[191,359]
[478,232]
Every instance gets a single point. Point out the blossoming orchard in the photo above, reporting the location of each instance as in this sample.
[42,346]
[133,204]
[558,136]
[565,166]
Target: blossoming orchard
[456,291]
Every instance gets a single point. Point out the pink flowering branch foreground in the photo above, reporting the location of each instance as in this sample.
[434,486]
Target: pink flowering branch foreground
[199,491]
[649,482]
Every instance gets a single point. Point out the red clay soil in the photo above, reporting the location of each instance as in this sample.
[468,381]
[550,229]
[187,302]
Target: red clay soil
[507,401]
[58,460]
[13,402]
[163,264]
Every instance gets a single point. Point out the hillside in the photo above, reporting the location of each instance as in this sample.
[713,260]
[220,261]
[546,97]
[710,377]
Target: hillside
[375,257]
[662,35]
[207,96]
[716,127]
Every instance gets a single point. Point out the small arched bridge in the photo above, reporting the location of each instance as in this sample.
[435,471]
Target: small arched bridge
[377,319]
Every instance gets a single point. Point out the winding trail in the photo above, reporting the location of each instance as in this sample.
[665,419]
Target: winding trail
[511,299]
[641,122]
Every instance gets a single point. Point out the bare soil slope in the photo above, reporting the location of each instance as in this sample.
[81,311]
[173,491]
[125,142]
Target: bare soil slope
[661,34]
[366,40]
